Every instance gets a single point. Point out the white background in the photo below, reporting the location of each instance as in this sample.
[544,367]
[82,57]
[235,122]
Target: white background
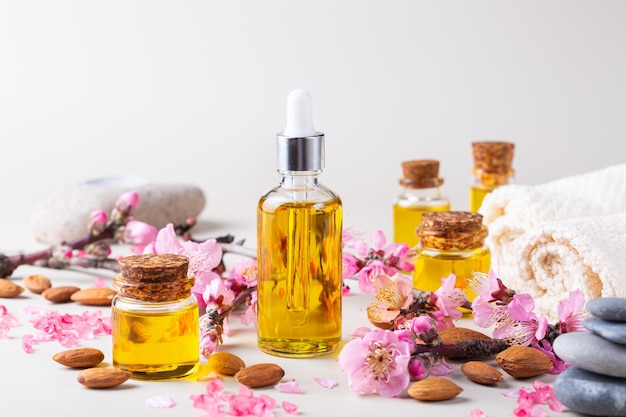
[195,91]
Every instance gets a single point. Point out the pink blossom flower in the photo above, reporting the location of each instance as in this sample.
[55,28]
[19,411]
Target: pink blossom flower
[379,259]
[377,363]
[139,234]
[218,294]
[367,275]
[97,222]
[571,312]
[350,265]
[425,328]
[244,272]
[127,200]
[203,257]
[249,316]
[527,328]
[450,298]
[419,367]
[392,296]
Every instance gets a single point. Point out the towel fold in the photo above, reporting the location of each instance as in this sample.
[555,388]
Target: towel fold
[567,234]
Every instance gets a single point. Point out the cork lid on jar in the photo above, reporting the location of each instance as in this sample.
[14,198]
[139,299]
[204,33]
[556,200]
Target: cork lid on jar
[493,157]
[421,173]
[154,267]
[452,230]
[154,278]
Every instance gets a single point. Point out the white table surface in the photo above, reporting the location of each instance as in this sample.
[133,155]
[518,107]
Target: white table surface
[33,384]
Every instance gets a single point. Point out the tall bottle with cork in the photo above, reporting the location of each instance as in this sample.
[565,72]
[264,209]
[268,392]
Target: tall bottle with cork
[421,193]
[493,162]
[299,231]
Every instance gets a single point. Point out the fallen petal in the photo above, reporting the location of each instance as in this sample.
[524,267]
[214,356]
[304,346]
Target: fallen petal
[326,382]
[291,387]
[160,401]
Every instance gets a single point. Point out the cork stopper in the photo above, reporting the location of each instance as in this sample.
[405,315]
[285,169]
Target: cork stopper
[452,230]
[421,173]
[156,277]
[493,157]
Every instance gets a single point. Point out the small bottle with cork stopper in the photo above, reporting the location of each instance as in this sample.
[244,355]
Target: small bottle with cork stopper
[421,193]
[451,242]
[493,162]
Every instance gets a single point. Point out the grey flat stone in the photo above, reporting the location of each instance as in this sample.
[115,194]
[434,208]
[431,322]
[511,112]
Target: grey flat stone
[614,331]
[591,394]
[607,308]
[65,216]
[592,353]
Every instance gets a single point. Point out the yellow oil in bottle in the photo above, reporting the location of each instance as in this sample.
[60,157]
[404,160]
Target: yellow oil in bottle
[407,218]
[156,345]
[299,277]
[477,195]
[431,265]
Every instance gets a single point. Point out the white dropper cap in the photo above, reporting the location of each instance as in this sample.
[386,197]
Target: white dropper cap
[300,147]
[299,114]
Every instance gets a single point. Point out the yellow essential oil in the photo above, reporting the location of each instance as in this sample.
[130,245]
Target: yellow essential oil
[154,318]
[452,242]
[492,169]
[420,193]
[299,230]
[156,344]
[299,277]
[477,195]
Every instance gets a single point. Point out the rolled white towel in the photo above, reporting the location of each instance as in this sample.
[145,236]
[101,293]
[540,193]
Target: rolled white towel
[559,256]
[543,238]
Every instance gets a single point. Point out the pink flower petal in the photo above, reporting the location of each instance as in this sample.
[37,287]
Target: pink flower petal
[326,382]
[160,401]
[291,387]
[290,408]
[100,283]
[477,412]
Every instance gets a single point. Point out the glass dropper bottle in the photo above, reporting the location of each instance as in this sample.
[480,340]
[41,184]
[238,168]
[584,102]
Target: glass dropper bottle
[299,230]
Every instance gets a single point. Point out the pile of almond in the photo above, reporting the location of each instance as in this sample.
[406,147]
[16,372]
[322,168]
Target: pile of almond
[91,376]
[253,376]
[517,361]
[40,284]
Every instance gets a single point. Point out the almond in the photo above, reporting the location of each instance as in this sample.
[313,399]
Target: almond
[9,289]
[60,294]
[434,389]
[94,296]
[36,283]
[103,377]
[79,358]
[523,361]
[260,375]
[226,363]
[481,373]
[454,335]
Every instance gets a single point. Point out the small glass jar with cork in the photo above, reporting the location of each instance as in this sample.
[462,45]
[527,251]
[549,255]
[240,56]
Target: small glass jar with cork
[154,317]
[421,192]
[451,242]
[492,168]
